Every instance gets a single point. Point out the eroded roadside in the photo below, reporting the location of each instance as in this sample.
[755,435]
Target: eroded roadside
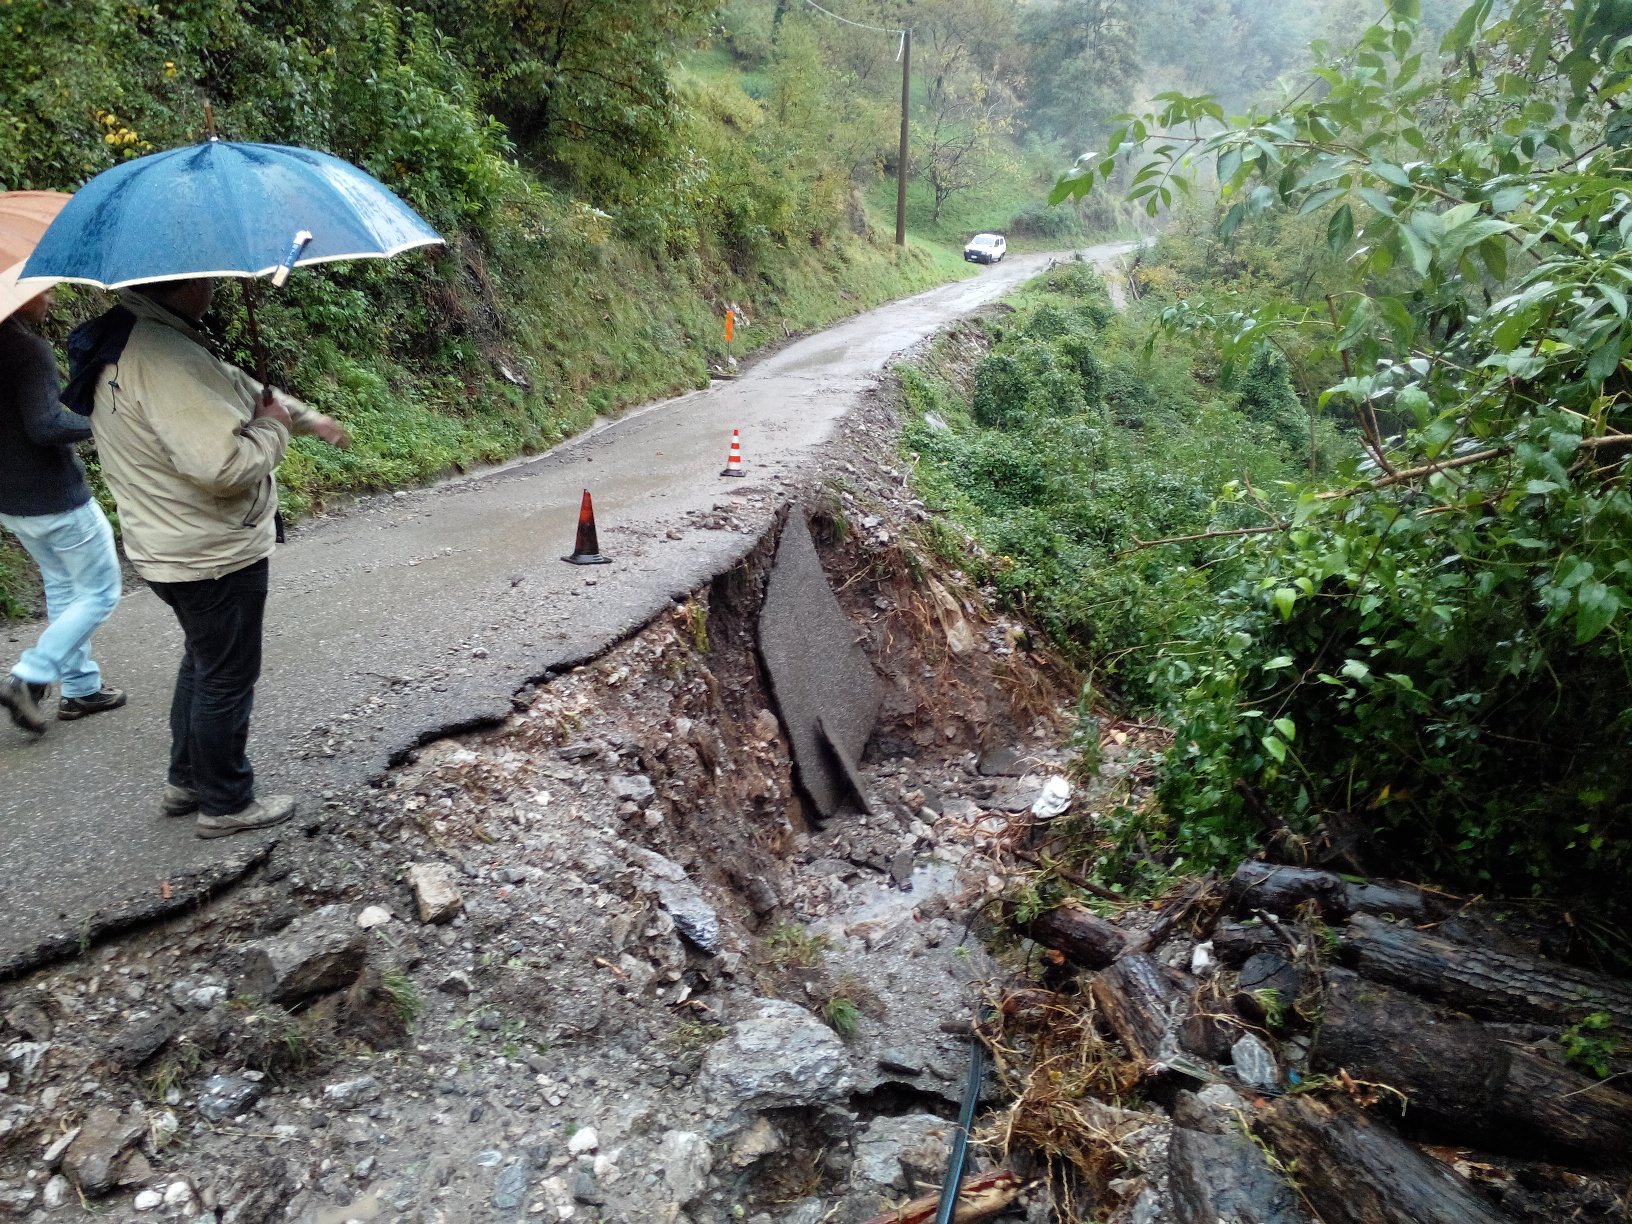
[661,993]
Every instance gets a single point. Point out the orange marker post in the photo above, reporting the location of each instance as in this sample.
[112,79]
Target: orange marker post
[730,324]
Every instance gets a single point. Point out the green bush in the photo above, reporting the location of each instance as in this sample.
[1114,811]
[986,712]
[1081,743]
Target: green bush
[1077,354]
[1001,387]
[1048,322]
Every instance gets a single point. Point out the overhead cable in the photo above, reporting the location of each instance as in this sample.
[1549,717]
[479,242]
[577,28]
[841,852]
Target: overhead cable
[858,24]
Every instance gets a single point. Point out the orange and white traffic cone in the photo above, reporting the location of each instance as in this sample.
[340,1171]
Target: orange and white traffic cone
[733,461]
[587,550]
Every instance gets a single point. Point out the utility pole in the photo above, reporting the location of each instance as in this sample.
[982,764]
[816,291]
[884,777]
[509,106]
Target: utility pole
[901,157]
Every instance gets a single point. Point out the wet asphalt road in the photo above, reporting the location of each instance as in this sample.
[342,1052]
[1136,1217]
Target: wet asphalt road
[413,614]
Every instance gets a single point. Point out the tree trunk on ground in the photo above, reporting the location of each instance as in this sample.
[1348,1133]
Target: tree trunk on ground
[1353,1169]
[1085,937]
[1138,1002]
[1482,981]
[1225,1177]
[1465,1084]
[1281,890]
[1234,943]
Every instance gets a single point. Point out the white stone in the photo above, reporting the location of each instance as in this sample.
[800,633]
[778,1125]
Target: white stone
[56,1192]
[373,916]
[147,1200]
[177,1193]
[435,892]
[583,1140]
[1254,1063]
[206,997]
[53,1154]
[686,1163]
[781,1057]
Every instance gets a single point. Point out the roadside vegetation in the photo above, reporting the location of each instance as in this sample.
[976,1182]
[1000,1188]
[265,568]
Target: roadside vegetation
[1399,646]
[610,176]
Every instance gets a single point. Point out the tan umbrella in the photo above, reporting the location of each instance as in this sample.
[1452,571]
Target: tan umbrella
[24,216]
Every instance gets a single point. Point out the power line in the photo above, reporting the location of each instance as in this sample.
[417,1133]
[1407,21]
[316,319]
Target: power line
[858,24]
[903,56]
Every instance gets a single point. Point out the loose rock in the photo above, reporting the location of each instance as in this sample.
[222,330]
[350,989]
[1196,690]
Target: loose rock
[435,892]
[227,1096]
[781,1057]
[321,952]
[91,1162]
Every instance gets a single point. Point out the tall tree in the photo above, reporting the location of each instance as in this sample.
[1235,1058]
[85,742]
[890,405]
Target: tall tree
[584,84]
[1085,60]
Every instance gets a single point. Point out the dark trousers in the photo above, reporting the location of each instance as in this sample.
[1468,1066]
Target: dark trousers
[215,686]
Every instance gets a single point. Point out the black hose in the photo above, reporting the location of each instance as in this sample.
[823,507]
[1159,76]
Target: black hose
[960,1141]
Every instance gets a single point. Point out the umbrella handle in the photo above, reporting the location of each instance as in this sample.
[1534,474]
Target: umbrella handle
[255,346]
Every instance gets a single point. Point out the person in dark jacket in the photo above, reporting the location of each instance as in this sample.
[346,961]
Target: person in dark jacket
[46,504]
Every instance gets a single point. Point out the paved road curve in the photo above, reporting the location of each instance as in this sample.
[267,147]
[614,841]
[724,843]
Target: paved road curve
[416,613]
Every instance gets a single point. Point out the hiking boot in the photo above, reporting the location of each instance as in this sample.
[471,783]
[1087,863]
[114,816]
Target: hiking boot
[104,699]
[258,814]
[22,702]
[178,801]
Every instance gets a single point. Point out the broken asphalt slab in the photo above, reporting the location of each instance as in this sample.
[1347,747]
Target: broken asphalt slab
[421,614]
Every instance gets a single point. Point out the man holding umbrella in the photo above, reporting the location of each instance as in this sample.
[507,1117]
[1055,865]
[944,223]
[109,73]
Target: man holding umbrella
[189,445]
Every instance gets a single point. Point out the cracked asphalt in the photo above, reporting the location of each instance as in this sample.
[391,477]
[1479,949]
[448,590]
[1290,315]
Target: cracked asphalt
[420,613]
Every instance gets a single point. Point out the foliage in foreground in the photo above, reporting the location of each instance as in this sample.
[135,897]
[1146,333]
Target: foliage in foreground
[1071,443]
[1427,658]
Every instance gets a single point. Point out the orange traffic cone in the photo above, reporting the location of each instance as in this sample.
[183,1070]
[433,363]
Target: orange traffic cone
[733,461]
[587,551]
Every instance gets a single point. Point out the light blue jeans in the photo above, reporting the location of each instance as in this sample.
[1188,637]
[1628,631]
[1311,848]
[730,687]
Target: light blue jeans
[75,553]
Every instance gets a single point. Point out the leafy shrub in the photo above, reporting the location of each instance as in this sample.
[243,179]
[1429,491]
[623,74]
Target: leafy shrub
[1076,279]
[1001,388]
[1077,353]
[1048,322]
[1039,220]
[1267,397]
[1004,469]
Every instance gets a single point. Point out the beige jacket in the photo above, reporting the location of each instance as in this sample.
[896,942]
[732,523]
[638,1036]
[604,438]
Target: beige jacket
[191,470]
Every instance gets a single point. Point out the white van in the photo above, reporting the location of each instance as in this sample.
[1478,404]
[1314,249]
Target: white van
[985,248]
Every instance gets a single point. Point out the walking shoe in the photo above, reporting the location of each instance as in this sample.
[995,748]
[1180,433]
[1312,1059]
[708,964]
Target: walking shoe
[105,698]
[22,702]
[259,814]
[178,801]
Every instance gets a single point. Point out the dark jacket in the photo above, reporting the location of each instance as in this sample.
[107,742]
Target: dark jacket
[39,471]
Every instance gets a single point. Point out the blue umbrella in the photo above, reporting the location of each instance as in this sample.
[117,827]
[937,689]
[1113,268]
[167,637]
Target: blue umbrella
[221,208]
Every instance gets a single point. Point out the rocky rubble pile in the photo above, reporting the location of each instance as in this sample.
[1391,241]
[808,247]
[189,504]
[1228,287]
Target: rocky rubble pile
[594,964]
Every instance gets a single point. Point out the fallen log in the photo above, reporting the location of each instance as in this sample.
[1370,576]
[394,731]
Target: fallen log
[1481,980]
[980,1198]
[1138,1003]
[1463,1084]
[1226,1177]
[1282,890]
[1353,1169]
[1268,988]
[1083,936]
[1235,943]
